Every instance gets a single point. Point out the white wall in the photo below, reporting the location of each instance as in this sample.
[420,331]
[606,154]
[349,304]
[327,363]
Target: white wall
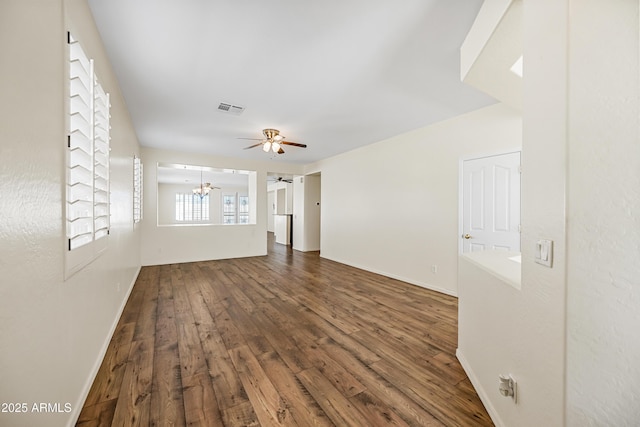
[603,265]
[171,244]
[489,335]
[53,332]
[392,207]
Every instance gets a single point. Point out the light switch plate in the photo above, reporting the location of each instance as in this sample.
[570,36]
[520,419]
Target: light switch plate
[544,252]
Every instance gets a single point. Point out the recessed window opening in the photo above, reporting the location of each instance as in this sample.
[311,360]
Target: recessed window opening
[205,195]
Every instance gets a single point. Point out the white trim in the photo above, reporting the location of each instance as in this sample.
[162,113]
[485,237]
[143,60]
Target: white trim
[495,417]
[396,277]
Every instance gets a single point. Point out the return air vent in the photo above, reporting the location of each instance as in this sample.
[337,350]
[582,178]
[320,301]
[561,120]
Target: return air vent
[230,108]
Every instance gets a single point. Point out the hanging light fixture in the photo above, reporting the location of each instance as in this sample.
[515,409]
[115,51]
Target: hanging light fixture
[204,188]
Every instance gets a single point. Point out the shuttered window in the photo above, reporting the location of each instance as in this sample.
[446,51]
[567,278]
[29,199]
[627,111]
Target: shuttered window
[88,195]
[80,146]
[191,207]
[101,199]
[137,190]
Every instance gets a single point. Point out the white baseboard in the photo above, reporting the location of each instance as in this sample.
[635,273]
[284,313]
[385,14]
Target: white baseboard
[77,408]
[495,417]
[395,276]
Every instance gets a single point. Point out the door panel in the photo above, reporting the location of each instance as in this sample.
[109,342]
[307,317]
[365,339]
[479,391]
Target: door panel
[502,184]
[491,203]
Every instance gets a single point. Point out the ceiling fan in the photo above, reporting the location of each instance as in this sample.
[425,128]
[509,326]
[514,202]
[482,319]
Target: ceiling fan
[273,141]
[280,179]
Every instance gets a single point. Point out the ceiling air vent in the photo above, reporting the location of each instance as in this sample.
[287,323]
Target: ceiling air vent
[230,108]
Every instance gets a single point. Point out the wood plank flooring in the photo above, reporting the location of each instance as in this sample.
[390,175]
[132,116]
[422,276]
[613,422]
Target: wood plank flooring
[289,339]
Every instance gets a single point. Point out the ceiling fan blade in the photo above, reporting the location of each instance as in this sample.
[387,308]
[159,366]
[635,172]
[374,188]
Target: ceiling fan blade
[252,139]
[280,151]
[254,145]
[295,144]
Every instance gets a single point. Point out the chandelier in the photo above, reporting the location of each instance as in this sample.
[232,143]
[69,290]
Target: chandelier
[204,188]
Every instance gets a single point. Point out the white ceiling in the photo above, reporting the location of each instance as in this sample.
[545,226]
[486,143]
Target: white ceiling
[333,74]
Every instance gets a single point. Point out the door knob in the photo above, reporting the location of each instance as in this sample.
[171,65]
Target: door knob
[467,236]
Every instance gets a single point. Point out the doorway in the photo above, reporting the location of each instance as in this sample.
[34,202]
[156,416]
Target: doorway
[491,203]
[307,212]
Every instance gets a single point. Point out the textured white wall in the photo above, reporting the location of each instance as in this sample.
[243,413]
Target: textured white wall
[392,207]
[603,312]
[53,332]
[171,244]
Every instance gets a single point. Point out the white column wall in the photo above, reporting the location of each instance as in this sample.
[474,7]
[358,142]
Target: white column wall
[603,265]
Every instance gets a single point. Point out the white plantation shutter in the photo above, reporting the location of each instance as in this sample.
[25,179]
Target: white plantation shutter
[137,190]
[80,144]
[88,196]
[101,162]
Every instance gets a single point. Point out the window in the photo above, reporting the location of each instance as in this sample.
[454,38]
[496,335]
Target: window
[232,194]
[137,189]
[88,195]
[235,209]
[229,209]
[243,213]
[191,207]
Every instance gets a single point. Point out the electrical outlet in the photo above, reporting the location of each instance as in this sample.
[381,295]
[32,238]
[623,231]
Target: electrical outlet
[434,269]
[508,387]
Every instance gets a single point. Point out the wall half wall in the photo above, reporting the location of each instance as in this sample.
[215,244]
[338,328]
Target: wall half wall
[167,244]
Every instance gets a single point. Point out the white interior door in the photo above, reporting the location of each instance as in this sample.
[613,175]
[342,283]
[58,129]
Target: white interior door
[491,203]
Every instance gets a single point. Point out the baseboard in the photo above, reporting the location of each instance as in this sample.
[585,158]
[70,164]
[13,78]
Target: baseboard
[495,417]
[394,276]
[77,408]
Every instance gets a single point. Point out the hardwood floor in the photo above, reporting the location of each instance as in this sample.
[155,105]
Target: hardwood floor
[288,339]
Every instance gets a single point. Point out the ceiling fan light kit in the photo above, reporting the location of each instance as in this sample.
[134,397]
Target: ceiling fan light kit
[273,142]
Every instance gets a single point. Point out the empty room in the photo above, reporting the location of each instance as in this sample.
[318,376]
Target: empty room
[357,213]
